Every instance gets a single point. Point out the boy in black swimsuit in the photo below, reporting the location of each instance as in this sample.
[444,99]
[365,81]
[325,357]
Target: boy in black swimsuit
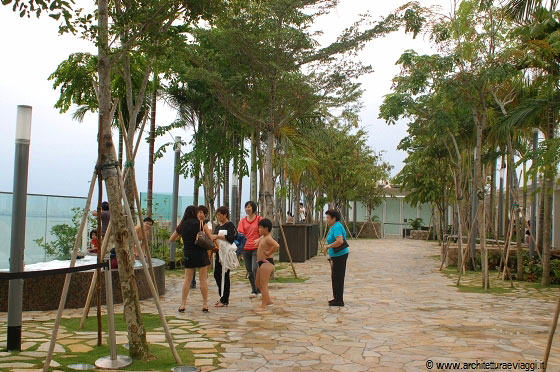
[267,246]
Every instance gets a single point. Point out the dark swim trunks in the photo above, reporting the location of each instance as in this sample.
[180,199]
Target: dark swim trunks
[270,259]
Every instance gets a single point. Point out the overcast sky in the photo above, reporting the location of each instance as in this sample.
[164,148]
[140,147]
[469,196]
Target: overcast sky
[63,152]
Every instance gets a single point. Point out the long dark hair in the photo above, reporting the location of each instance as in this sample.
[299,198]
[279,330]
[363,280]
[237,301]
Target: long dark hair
[190,214]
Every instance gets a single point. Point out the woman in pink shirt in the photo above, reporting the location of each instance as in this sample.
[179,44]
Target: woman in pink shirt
[249,226]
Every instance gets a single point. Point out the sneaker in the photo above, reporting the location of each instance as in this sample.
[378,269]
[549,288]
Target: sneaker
[259,296]
[252,295]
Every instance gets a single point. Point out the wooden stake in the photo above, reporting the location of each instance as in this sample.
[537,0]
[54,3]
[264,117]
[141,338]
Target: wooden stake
[93,284]
[146,271]
[445,250]
[286,244]
[62,302]
[138,205]
[347,228]
[467,246]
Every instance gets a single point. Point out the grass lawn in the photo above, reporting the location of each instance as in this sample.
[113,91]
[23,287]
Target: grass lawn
[161,357]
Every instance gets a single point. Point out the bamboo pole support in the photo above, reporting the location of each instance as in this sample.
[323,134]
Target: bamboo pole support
[146,271]
[137,200]
[348,229]
[64,295]
[92,286]
[467,246]
[286,244]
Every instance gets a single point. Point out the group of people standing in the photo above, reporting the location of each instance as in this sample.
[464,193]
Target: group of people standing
[254,227]
[257,253]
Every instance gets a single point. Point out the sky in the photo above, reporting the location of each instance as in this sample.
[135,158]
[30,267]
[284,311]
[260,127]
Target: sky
[63,152]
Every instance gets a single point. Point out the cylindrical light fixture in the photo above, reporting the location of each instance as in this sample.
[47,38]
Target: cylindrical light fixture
[19,207]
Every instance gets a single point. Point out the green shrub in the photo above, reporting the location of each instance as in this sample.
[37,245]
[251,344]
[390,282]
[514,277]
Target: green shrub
[416,224]
[65,234]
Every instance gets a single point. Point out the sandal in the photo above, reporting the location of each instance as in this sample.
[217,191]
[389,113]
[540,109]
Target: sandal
[220,304]
[204,309]
[181,309]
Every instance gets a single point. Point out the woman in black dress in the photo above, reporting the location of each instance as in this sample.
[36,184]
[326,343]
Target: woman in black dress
[193,255]
[222,214]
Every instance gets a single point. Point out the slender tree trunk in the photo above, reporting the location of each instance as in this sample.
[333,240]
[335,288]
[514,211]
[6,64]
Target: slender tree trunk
[297,193]
[196,187]
[238,204]
[150,196]
[522,224]
[209,187]
[267,185]
[138,346]
[121,145]
[491,218]
[480,119]
[548,192]
[540,224]
[226,184]
[253,184]
[309,199]
[507,196]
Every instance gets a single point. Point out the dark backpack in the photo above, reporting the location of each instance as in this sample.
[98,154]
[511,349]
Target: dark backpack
[239,240]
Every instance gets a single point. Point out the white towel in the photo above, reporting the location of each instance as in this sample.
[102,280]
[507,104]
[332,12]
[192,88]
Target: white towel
[228,257]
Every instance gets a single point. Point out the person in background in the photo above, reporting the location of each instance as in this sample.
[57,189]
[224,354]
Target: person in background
[222,214]
[93,243]
[147,226]
[105,217]
[528,232]
[248,226]
[290,218]
[302,213]
[336,238]
[193,255]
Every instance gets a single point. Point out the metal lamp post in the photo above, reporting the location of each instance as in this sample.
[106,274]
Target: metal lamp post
[175,200]
[19,206]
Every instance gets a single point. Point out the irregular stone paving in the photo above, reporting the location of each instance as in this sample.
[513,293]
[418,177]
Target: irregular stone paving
[400,313]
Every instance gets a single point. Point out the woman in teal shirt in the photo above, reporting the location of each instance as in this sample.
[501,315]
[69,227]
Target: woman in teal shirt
[336,238]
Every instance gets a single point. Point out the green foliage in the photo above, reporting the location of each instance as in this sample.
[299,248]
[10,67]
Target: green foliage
[65,235]
[160,246]
[416,224]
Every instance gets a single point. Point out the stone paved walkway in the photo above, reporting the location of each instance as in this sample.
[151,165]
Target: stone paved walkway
[400,312]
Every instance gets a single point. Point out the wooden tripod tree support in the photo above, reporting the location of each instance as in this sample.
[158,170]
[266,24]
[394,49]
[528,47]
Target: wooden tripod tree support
[137,196]
[372,225]
[151,284]
[347,228]
[64,295]
[286,243]
[431,224]
[107,234]
[464,258]
[445,250]
[93,284]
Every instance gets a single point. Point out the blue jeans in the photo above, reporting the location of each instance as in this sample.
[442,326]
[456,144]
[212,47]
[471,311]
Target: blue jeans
[250,259]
